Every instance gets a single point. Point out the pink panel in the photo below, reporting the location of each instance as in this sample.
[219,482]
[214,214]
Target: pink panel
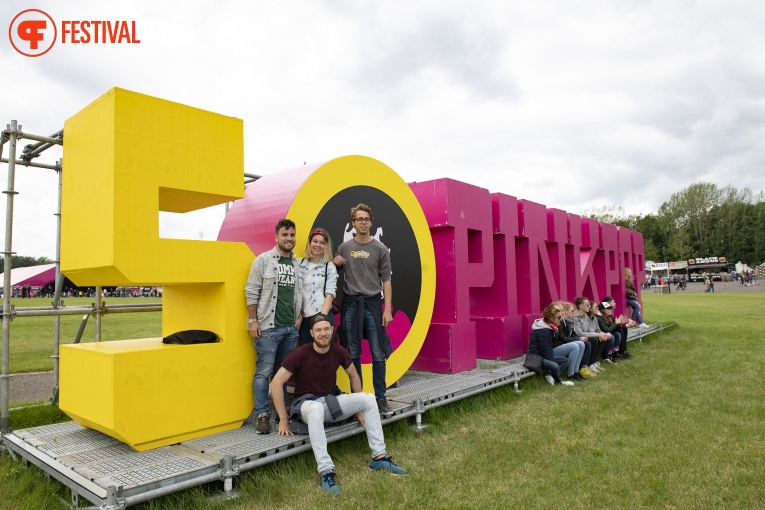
[612,271]
[558,239]
[591,281]
[537,274]
[495,308]
[251,220]
[460,218]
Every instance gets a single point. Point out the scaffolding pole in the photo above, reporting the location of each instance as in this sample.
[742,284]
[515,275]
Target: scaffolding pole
[8,254]
[29,163]
[59,283]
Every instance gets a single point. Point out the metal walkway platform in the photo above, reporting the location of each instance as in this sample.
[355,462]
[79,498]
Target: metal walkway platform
[111,475]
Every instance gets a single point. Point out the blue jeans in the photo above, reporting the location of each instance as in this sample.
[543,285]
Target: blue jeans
[354,348]
[272,347]
[635,310]
[574,352]
[615,342]
[555,367]
[315,413]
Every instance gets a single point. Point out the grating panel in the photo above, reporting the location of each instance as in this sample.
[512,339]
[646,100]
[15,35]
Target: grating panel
[45,430]
[74,441]
[98,455]
[154,473]
[126,462]
[427,391]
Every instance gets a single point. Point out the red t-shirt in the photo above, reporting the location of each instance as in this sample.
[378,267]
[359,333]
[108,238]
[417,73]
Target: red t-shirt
[314,372]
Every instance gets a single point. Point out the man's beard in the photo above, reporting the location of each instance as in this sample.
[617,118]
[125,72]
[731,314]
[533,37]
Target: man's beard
[326,344]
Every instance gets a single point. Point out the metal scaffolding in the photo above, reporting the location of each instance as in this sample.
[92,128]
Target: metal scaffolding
[12,134]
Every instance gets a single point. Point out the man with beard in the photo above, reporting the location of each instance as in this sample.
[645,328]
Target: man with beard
[273,306]
[314,367]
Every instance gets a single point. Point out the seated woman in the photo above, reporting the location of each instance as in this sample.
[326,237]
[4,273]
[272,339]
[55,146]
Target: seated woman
[587,325]
[608,324]
[540,342]
[632,298]
[566,328]
[567,344]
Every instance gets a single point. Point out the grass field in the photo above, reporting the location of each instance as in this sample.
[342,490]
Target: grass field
[31,339]
[681,426]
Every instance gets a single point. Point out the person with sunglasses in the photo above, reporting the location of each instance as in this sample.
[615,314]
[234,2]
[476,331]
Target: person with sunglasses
[541,342]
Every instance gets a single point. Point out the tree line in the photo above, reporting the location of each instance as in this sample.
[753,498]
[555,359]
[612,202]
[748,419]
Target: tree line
[702,220]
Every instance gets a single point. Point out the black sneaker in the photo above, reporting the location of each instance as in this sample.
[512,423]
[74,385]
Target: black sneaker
[264,424]
[576,377]
[383,407]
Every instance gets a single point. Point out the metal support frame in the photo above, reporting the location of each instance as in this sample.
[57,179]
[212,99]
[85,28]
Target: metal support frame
[8,254]
[418,425]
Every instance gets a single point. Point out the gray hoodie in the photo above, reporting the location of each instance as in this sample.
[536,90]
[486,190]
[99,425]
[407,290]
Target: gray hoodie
[586,326]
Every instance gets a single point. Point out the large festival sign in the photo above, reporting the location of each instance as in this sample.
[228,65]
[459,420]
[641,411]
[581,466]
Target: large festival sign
[471,269]
[322,195]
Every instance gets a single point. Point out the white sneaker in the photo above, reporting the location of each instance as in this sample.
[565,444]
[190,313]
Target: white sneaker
[644,325]
[594,368]
[600,369]
[550,380]
[567,383]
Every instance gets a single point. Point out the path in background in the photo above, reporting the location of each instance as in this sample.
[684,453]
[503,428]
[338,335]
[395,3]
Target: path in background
[31,386]
[698,287]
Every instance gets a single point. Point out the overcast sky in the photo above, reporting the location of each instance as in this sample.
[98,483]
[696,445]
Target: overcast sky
[575,105]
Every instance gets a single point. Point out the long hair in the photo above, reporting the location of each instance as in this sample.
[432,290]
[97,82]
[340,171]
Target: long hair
[549,313]
[327,257]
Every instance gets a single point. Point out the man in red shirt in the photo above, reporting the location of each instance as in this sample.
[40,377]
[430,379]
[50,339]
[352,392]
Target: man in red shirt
[314,366]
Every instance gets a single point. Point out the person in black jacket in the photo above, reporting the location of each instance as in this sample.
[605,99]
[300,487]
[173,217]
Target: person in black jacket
[624,323]
[608,324]
[541,342]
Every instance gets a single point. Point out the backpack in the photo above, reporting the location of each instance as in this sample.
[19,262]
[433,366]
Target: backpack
[191,336]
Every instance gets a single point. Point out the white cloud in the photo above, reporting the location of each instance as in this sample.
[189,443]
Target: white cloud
[573,105]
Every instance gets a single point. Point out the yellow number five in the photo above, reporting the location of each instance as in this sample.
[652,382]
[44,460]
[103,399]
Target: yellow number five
[128,156]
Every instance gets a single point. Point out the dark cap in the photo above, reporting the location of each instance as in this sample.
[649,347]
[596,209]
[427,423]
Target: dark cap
[605,306]
[319,317]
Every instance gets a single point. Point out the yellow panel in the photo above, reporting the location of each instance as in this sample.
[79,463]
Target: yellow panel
[125,154]
[349,171]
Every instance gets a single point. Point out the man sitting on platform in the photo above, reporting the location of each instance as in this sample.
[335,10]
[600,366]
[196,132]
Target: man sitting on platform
[314,366]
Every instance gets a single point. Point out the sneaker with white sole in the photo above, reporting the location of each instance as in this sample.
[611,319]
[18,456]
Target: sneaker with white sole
[594,369]
[384,408]
[599,367]
[566,383]
[644,326]
[550,380]
[386,464]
